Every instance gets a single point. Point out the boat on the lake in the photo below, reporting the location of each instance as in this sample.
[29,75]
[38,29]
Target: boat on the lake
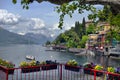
[115,52]
[29,57]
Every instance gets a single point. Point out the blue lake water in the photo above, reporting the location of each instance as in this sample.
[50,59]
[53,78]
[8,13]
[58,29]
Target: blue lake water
[17,53]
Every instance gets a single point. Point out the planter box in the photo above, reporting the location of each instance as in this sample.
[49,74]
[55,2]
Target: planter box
[30,69]
[0,68]
[72,68]
[91,72]
[113,77]
[99,74]
[10,71]
[49,67]
[88,71]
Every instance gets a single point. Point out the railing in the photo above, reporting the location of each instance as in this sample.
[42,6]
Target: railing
[55,72]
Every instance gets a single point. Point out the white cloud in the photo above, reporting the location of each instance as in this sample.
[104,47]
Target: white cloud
[66,26]
[38,23]
[52,35]
[21,33]
[56,31]
[8,18]
[55,26]
[19,24]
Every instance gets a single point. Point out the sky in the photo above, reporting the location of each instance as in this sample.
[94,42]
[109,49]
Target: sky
[40,18]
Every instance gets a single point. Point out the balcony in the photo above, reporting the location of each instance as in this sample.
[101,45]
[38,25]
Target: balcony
[57,72]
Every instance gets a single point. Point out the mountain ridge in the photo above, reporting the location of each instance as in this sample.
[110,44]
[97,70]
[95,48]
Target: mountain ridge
[7,37]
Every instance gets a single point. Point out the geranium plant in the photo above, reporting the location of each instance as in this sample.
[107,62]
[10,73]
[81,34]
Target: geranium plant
[27,67]
[48,65]
[31,63]
[118,70]
[89,65]
[98,67]
[6,64]
[43,63]
[72,63]
[24,64]
[111,69]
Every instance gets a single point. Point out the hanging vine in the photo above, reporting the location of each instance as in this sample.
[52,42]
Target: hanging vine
[70,8]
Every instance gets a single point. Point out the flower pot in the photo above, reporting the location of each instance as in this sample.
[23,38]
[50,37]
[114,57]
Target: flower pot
[49,67]
[0,68]
[113,77]
[88,71]
[99,74]
[10,70]
[30,69]
[91,72]
[72,68]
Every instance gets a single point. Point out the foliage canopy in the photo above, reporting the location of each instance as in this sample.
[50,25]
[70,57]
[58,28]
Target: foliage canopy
[63,9]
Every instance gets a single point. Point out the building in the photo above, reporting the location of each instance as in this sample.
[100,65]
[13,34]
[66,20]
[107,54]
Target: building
[92,41]
[98,40]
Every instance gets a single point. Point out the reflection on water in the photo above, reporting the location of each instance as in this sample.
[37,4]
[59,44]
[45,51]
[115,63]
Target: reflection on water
[17,53]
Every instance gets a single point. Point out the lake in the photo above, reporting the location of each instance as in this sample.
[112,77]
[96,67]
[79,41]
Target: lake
[16,54]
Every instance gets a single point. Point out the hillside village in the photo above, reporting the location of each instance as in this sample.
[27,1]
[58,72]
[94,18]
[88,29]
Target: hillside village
[94,41]
[98,32]
[98,39]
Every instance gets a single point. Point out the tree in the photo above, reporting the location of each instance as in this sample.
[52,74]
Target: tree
[62,38]
[83,27]
[83,41]
[100,15]
[78,29]
[48,42]
[67,7]
[69,38]
[73,40]
[114,28]
[70,8]
[116,21]
[90,29]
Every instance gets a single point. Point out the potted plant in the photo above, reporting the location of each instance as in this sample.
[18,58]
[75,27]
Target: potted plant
[31,66]
[118,70]
[72,65]
[7,66]
[98,68]
[113,70]
[48,65]
[88,68]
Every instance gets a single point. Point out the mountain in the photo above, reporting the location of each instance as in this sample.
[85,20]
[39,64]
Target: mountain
[7,37]
[39,38]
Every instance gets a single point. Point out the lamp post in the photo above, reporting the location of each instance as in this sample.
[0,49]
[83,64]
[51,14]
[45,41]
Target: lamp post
[107,57]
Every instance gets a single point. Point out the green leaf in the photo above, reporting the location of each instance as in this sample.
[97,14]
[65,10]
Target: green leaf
[27,7]
[14,1]
[22,2]
[23,6]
